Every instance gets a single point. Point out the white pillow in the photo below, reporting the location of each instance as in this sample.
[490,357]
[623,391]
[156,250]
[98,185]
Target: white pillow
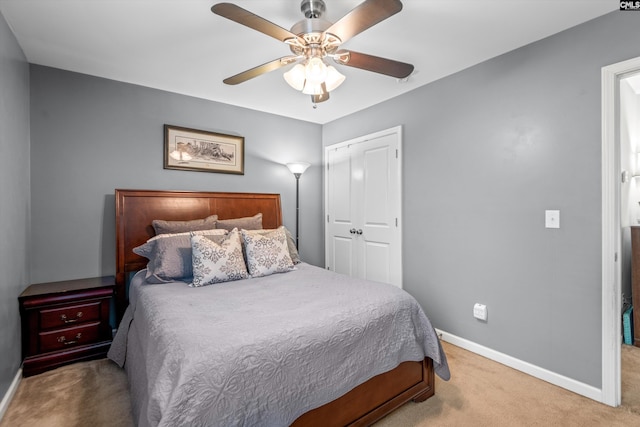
[267,253]
[217,262]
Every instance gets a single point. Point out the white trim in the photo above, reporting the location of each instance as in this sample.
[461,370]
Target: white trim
[611,250]
[6,400]
[522,366]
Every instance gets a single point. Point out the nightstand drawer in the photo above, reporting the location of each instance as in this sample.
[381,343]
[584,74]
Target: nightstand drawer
[69,315]
[69,337]
[65,322]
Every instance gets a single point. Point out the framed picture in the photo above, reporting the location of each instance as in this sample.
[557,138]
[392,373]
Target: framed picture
[198,150]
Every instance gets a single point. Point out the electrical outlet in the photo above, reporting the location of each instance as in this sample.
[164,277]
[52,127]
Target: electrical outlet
[480,311]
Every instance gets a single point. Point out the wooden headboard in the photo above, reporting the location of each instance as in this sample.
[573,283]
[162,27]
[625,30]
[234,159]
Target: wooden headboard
[136,209]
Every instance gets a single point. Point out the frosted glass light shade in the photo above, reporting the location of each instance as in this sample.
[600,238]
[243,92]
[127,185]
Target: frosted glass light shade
[312,89]
[310,77]
[315,71]
[298,167]
[295,77]
[334,78]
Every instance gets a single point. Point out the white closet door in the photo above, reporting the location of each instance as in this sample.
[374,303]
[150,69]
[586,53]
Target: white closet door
[340,241]
[363,203]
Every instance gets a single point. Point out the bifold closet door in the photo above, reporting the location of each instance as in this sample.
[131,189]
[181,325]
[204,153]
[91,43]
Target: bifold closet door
[363,203]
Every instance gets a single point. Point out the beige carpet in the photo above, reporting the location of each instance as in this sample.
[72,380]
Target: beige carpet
[486,393]
[88,394]
[480,393]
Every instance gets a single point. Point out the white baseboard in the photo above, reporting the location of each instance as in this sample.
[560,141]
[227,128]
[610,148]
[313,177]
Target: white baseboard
[6,400]
[526,367]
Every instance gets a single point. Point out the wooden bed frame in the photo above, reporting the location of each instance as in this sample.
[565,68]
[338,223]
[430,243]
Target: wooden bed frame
[136,209]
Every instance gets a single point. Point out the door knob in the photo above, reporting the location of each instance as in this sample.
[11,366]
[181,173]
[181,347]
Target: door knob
[359,231]
[353,231]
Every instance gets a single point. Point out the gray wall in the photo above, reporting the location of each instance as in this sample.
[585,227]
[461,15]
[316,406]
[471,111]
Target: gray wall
[14,198]
[486,152]
[90,136]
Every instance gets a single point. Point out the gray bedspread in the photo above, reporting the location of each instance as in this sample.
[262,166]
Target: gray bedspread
[261,352]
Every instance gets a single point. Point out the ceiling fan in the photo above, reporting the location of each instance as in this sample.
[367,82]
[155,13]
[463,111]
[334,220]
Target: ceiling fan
[313,40]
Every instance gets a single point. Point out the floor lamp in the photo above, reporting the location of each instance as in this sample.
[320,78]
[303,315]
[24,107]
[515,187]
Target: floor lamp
[297,169]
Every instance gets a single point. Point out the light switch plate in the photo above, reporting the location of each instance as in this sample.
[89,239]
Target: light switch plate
[552,219]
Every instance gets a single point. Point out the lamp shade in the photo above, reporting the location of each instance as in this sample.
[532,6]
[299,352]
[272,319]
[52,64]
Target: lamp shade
[315,71]
[312,89]
[295,77]
[314,78]
[334,78]
[298,167]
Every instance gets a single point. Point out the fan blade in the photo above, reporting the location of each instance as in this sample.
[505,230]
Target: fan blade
[376,64]
[324,96]
[251,20]
[364,16]
[260,69]
[317,99]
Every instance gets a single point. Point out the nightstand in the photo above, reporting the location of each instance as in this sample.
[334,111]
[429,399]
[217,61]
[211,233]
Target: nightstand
[65,322]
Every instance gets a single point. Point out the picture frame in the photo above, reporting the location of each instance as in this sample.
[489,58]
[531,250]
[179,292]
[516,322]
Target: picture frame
[202,151]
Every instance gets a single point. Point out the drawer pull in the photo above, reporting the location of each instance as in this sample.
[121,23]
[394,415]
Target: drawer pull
[66,320]
[62,339]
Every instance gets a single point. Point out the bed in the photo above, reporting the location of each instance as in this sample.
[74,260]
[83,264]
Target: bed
[260,351]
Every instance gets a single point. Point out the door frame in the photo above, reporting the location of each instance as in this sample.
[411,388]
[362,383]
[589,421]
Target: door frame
[611,246]
[396,130]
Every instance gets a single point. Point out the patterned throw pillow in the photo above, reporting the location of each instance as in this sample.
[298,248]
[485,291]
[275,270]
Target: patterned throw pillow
[267,253]
[291,244]
[217,262]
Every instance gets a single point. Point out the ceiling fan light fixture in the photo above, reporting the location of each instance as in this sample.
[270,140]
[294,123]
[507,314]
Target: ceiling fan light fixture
[334,78]
[312,89]
[296,77]
[314,78]
[315,71]
[313,39]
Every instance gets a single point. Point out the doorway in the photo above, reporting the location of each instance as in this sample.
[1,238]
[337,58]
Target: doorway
[629,140]
[611,228]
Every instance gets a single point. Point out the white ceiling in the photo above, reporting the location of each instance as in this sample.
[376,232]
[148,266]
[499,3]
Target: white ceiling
[181,46]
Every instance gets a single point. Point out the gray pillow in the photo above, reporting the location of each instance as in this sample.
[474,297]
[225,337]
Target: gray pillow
[293,250]
[164,227]
[246,223]
[170,256]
